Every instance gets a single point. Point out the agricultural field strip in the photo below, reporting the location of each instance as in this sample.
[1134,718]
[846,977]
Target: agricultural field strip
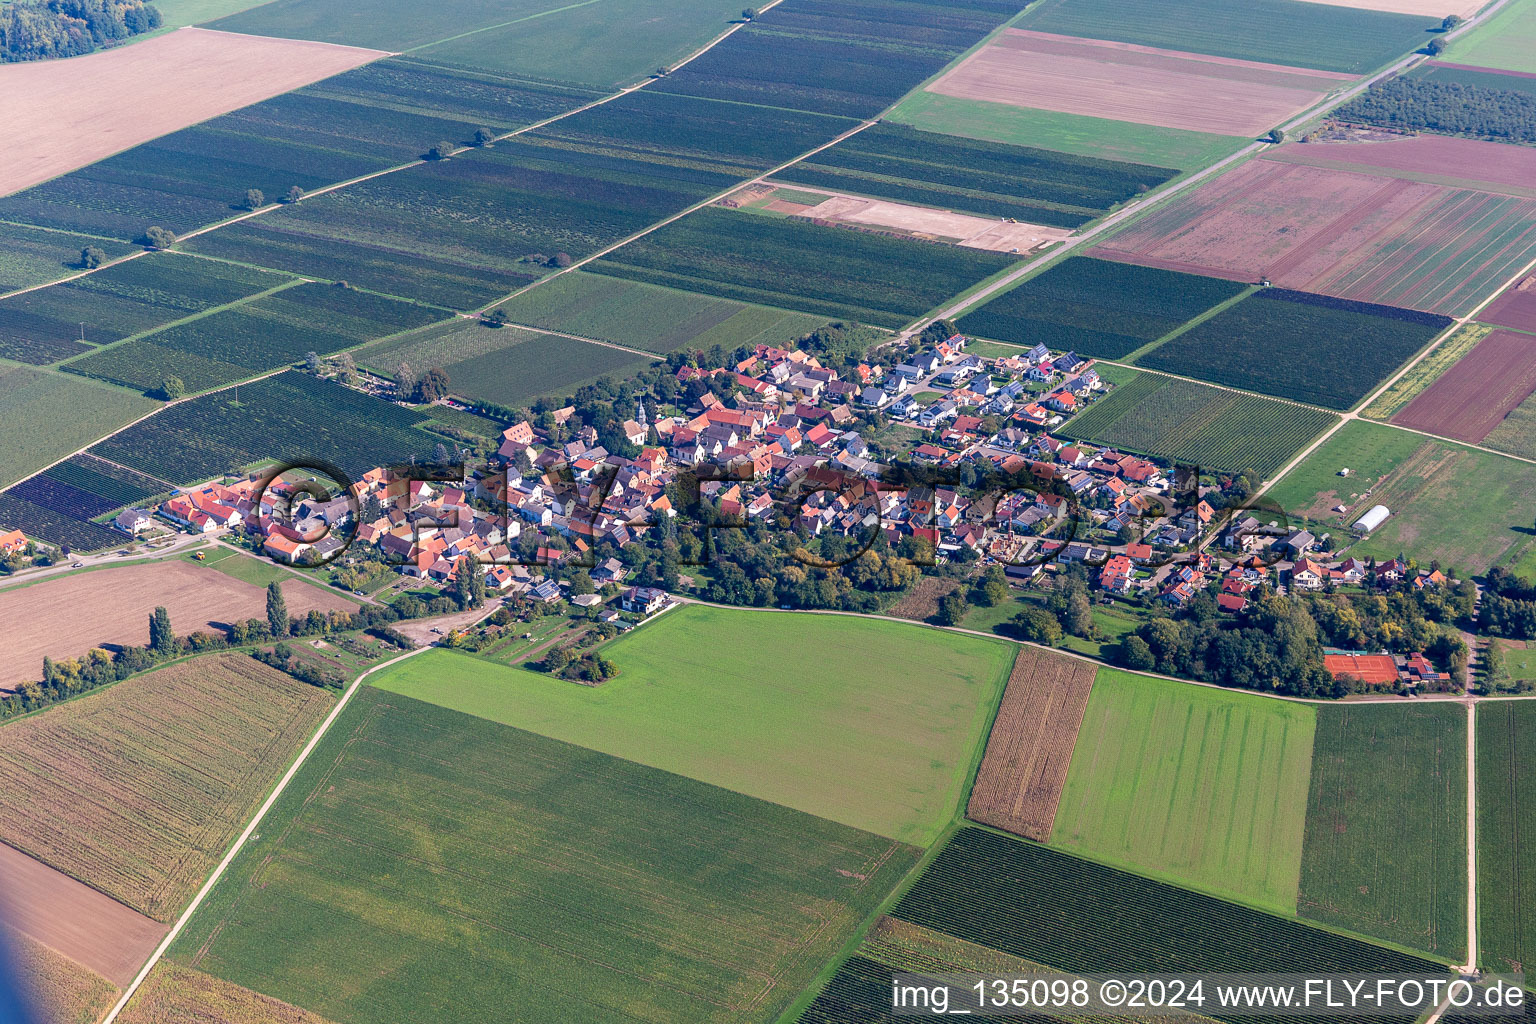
[1209,384]
[558,334]
[250,828]
[1366,402]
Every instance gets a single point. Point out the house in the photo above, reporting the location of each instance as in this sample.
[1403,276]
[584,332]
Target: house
[874,398]
[609,616]
[548,591]
[1297,544]
[133,522]
[13,542]
[644,600]
[610,571]
[587,600]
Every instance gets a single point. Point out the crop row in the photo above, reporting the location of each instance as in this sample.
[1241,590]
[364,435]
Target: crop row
[545,365]
[260,335]
[735,138]
[31,256]
[1309,348]
[123,300]
[113,483]
[290,416]
[849,59]
[1096,307]
[1182,421]
[794,265]
[1082,917]
[1506,822]
[897,162]
[53,527]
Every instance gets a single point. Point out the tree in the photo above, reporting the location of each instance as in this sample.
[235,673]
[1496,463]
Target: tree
[476,583]
[483,136]
[748,13]
[495,318]
[346,367]
[952,609]
[405,381]
[159,238]
[312,361]
[92,257]
[1451,21]
[172,388]
[1134,653]
[255,199]
[581,583]
[1037,626]
[294,194]
[161,639]
[440,151]
[1435,48]
[1276,135]
[277,610]
[432,386]
[993,588]
[561,260]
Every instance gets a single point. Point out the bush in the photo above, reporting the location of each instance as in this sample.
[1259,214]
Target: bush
[255,199]
[441,151]
[158,238]
[92,257]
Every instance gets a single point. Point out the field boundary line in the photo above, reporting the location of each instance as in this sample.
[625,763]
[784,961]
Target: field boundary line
[250,828]
[490,28]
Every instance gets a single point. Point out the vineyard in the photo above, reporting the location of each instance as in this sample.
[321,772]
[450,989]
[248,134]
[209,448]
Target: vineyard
[31,256]
[1097,308]
[1054,909]
[892,161]
[54,527]
[545,365]
[733,138]
[1182,421]
[128,298]
[58,505]
[290,416]
[235,343]
[1506,821]
[137,789]
[825,270]
[655,319]
[76,410]
[584,887]
[852,59]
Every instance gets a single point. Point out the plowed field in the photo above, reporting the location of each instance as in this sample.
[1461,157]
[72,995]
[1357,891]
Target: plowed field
[1474,396]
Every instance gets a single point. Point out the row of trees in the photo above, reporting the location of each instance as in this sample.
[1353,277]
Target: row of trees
[45,29]
[1430,104]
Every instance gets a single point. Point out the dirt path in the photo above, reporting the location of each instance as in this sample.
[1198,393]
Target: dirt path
[1471,964]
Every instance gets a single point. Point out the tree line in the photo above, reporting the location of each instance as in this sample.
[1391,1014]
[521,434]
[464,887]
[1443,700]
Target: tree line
[44,29]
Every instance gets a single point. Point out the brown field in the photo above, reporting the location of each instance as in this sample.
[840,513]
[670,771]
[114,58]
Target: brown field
[138,789]
[1473,396]
[1514,308]
[1125,82]
[1030,747]
[963,229]
[1437,159]
[57,115]
[173,994]
[73,919]
[66,617]
[1368,232]
[921,602]
[60,989]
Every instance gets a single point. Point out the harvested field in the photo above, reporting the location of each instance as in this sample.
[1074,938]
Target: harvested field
[1474,396]
[922,222]
[173,994]
[72,918]
[53,126]
[1030,747]
[1372,232]
[138,788]
[1515,308]
[1426,8]
[64,991]
[1437,159]
[1140,84]
[112,606]
[921,602]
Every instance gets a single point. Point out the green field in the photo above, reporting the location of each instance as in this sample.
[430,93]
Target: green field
[1181,420]
[394,25]
[76,411]
[1506,41]
[808,711]
[1065,133]
[1191,784]
[1289,32]
[180,13]
[652,318]
[434,867]
[1386,847]
[31,256]
[604,45]
[1506,820]
[502,365]
[797,265]
[1517,433]
[1367,450]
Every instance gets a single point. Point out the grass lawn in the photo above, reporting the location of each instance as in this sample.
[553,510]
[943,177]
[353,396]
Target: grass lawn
[433,867]
[872,724]
[179,13]
[1065,133]
[1370,452]
[1506,41]
[1506,821]
[1521,662]
[1191,784]
[1386,841]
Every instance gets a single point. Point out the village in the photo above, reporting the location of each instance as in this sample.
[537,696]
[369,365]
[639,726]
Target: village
[788,448]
